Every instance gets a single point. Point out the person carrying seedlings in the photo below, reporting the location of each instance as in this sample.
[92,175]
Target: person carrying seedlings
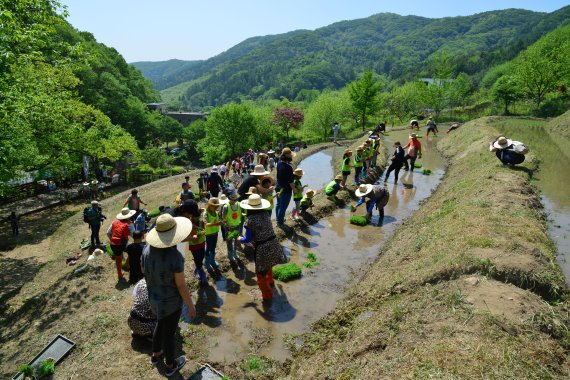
[134,201]
[197,240]
[397,159]
[307,201]
[15,224]
[345,169]
[118,233]
[267,252]
[232,221]
[163,268]
[431,127]
[212,224]
[297,191]
[375,196]
[332,189]
[95,217]
[134,252]
[141,321]
[413,150]
[358,164]
[185,194]
[508,151]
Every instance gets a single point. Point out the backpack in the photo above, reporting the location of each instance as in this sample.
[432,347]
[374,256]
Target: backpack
[86,215]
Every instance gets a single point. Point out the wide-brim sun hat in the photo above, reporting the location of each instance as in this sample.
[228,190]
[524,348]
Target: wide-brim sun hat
[338,178]
[94,202]
[214,169]
[126,213]
[169,231]
[363,190]
[271,151]
[298,172]
[259,170]
[310,193]
[214,202]
[252,190]
[502,142]
[347,151]
[255,202]
[286,152]
[223,199]
[267,178]
[413,136]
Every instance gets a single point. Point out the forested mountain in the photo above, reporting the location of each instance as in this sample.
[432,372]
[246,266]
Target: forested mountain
[330,57]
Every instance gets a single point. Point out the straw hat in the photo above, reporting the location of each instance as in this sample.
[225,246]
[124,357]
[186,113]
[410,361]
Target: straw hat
[255,202]
[271,151]
[360,148]
[214,202]
[347,151]
[286,152]
[271,180]
[310,193]
[125,213]
[252,190]
[259,170]
[94,202]
[223,199]
[363,190]
[502,142]
[298,172]
[169,231]
[338,178]
[413,136]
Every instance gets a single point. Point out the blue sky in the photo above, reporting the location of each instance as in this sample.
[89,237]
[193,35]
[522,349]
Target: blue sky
[144,30]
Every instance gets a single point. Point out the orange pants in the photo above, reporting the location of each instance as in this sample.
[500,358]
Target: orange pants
[265,281]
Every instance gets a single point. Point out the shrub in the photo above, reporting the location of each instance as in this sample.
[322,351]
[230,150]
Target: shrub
[287,272]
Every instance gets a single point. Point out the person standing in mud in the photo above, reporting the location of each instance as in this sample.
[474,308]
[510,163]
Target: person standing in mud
[375,196]
[413,150]
[268,252]
[285,184]
[358,164]
[397,159]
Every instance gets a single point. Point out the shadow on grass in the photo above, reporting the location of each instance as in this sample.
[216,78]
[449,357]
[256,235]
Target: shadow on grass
[15,273]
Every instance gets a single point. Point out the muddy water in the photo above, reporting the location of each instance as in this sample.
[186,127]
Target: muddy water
[232,311]
[553,179]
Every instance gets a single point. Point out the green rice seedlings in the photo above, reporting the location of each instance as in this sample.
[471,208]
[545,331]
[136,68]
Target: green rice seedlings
[426,171]
[154,213]
[287,272]
[312,260]
[358,220]
[417,165]
[233,235]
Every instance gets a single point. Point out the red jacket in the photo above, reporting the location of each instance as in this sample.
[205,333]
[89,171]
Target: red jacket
[120,232]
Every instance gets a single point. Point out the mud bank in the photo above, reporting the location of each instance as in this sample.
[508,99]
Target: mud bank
[468,287]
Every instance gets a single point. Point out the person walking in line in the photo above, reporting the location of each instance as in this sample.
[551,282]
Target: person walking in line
[134,202]
[431,127]
[397,159]
[231,216]
[358,164]
[268,252]
[15,223]
[197,240]
[215,182]
[212,223]
[335,129]
[163,268]
[118,233]
[413,150]
[345,169]
[253,179]
[285,184]
[95,217]
[185,194]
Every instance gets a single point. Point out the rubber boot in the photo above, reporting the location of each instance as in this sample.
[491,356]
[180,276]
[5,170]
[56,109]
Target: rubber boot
[266,291]
[368,216]
[202,276]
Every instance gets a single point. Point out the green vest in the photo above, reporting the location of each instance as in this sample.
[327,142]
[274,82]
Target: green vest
[357,163]
[211,219]
[233,217]
[346,164]
[330,188]
[201,235]
[298,191]
[306,202]
[270,198]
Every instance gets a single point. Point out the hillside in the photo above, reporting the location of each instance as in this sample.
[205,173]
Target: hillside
[329,57]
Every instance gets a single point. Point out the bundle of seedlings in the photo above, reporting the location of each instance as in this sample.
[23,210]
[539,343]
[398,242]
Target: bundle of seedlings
[358,220]
[312,260]
[426,171]
[287,272]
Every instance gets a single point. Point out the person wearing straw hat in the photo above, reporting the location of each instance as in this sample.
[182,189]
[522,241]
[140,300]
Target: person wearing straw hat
[251,180]
[307,201]
[508,151]
[268,252]
[118,233]
[333,188]
[297,192]
[397,159]
[285,184]
[358,164]
[231,216]
[163,268]
[345,169]
[212,223]
[413,150]
[378,197]
[267,185]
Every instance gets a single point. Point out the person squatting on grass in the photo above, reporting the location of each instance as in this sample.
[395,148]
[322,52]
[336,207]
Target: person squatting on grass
[267,250]
[163,268]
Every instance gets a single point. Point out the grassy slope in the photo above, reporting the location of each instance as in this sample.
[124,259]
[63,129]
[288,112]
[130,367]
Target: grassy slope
[559,129]
[459,291]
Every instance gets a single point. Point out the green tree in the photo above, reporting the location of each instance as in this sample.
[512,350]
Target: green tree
[155,156]
[328,108]
[506,90]
[229,132]
[404,101]
[364,96]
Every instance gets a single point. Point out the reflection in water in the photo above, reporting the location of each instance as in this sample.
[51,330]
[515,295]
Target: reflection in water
[342,250]
[553,179]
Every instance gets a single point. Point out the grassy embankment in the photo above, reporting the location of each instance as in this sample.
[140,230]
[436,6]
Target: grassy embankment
[89,308]
[467,288]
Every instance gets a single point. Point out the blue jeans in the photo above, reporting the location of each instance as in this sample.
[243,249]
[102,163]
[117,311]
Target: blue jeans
[281,207]
[211,242]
